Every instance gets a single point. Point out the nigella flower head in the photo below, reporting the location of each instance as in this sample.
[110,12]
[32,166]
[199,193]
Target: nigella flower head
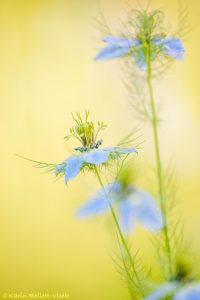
[89,154]
[134,205]
[146,41]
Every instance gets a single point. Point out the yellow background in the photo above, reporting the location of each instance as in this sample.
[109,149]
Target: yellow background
[47,71]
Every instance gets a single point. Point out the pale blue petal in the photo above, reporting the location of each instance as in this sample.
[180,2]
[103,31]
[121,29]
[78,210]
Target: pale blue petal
[95,157]
[116,47]
[126,212]
[96,206]
[189,292]
[163,291]
[112,51]
[120,150]
[173,47]
[73,166]
[99,203]
[126,150]
[121,41]
[145,210]
[110,149]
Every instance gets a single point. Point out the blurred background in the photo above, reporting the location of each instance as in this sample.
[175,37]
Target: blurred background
[47,71]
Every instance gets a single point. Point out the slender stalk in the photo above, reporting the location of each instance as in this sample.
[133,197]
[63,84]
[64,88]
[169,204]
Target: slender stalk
[121,236]
[154,122]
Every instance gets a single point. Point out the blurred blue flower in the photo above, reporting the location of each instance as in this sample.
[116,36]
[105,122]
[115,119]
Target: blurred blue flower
[75,163]
[134,206]
[190,291]
[121,46]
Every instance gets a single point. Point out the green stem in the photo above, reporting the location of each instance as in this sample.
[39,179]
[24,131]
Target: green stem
[154,122]
[121,236]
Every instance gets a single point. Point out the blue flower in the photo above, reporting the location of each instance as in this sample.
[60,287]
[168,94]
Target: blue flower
[134,206]
[121,46]
[190,291]
[75,163]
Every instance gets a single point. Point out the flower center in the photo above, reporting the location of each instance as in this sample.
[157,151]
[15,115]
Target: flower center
[92,146]
[86,132]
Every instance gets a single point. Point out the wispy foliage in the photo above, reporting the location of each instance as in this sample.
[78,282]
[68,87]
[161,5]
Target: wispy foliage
[184,27]
[101,22]
[175,225]
[132,271]
[133,138]
[48,167]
